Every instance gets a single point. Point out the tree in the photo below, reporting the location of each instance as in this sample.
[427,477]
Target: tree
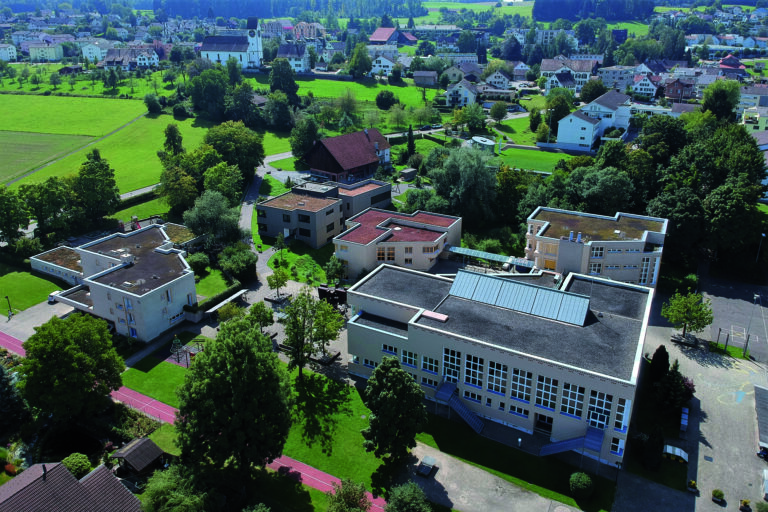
[721,98]
[360,62]
[12,407]
[95,189]
[225,179]
[234,403]
[152,103]
[498,111]
[467,183]
[277,280]
[348,496]
[425,48]
[239,260]
[407,497]
[13,215]
[659,363]
[581,485]
[397,411]
[303,137]
[178,189]
[557,108]
[211,216]
[237,145]
[174,142]
[347,102]
[198,262]
[234,71]
[111,79]
[511,49]
[170,76]
[283,78]
[277,111]
[55,80]
[240,106]
[47,202]
[411,145]
[262,315]
[70,367]
[688,311]
[673,390]
[310,324]
[172,490]
[279,245]
[592,90]
[77,464]
[396,115]
[466,42]
[687,220]
[386,99]
[208,91]
[534,120]
[334,269]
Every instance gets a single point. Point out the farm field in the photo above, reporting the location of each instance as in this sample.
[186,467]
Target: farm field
[531,159]
[23,151]
[69,116]
[132,152]
[433,17]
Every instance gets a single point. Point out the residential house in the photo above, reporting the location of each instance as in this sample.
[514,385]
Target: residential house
[45,52]
[499,79]
[599,57]
[547,37]
[351,157]
[461,94]
[384,35]
[247,50]
[7,52]
[50,486]
[454,74]
[432,32]
[625,248]
[332,48]
[679,89]
[304,30]
[407,39]
[275,28]
[563,80]
[311,218]
[425,78]
[297,56]
[122,33]
[378,236]
[752,96]
[137,281]
[459,58]
[129,59]
[24,35]
[96,51]
[472,71]
[381,66]
[520,71]
[580,70]
[647,85]
[388,51]
[577,131]
[560,359]
[617,77]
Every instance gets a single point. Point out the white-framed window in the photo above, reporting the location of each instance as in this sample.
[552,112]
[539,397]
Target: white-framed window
[409,250]
[497,378]
[451,365]
[370,363]
[380,254]
[595,268]
[471,395]
[429,365]
[573,400]
[597,252]
[645,270]
[620,422]
[409,358]
[518,411]
[389,349]
[521,385]
[617,446]
[546,392]
[473,371]
[409,261]
[599,408]
[430,383]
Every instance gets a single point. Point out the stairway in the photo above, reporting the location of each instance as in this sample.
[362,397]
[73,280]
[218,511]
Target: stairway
[592,440]
[472,419]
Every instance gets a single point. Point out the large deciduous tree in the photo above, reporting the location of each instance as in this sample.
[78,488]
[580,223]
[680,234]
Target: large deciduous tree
[466,182]
[348,496]
[688,311]
[234,403]
[70,367]
[12,409]
[95,189]
[174,142]
[226,179]
[303,137]
[211,216]
[178,189]
[592,90]
[237,145]
[208,92]
[408,497]
[283,78]
[240,106]
[360,63]
[13,215]
[397,411]
[310,324]
[721,98]
[48,203]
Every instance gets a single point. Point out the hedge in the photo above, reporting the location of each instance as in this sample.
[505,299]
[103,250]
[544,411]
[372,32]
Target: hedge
[215,299]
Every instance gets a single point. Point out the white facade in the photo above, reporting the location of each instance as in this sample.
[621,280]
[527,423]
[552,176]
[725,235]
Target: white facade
[461,94]
[577,131]
[95,51]
[7,52]
[381,65]
[249,51]
[499,80]
[645,86]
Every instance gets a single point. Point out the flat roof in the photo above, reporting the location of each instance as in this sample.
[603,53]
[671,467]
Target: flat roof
[359,190]
[62,256]
[372,223]
[383,324]
[407,287]
[292,201]
[596,227]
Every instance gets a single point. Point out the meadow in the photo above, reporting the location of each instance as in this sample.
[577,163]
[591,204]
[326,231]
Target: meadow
[633,27]
[143,210]
[433,17]
[132,152]
[517,129]
[23,151]
[531,159]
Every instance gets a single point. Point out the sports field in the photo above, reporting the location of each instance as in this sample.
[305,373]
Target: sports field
[69,116]
[132,152]
[23,151]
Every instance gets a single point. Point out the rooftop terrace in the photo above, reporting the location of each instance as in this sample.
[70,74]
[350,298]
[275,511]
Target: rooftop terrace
[596,227]
[373,223]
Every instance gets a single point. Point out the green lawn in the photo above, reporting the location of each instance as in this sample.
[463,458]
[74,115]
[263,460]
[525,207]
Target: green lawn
[276,142]
[532,159]
[272,187]
[165,438]
[132,152]
[67,116]
[24,151]
[23,288]
[733,351]
[633,27]
[307,263]
[534,102]
[156,206]
[404,196]
[212,283]
[155,378]
[5,477]
[517,130]
[289,164]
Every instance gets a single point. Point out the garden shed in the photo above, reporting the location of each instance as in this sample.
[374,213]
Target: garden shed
[139,455]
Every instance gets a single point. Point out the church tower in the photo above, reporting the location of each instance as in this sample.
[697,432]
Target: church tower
[255,48]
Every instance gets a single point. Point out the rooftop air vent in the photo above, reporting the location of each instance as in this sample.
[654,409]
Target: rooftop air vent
[301,203]
[127,284]
[398,228]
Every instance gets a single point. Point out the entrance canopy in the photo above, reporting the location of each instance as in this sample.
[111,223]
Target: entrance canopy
[500,258]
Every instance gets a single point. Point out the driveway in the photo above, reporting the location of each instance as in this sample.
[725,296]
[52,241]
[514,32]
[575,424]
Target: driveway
[23,324]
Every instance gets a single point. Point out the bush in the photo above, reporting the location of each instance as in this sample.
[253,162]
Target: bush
[77,464]
[718,494]
[386,99]
[180,111]
[761,506]
[153,104]
[581,485]
[229,311]
[238,260]
[198,262]
[416,161]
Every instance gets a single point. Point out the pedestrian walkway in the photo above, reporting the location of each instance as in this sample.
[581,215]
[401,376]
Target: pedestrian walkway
[12,344]
[145,404]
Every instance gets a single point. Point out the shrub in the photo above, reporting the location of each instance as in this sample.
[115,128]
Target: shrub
[77,464]
[198,262]
[229,311]
[416,161]
[718,494]
[581,485]
[761,506]
[10,469]
[386,99]
[180,111]
[153,104]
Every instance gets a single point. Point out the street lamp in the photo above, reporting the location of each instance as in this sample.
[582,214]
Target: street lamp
[760,246]
[10,311]
[755,297]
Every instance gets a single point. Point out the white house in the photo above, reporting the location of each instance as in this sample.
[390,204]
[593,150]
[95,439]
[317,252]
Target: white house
[461,94]
[386,50]
[130,58]
[7,52]
[519,71]
[577,131]
[646,85]
[247,50]
[297,56]
[381,65]
[96,51]
[580,70]
[499,79]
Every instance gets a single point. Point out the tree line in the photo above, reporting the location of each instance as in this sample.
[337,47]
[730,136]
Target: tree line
[549,10]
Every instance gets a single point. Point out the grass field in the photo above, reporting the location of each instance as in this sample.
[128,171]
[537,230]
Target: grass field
[633,27]
[275,143]
[155,378]
[433,17]
[24,151]
[532,160]
[531,103]
[23,288]
[517,130]
[132,152]
[211,283]
[272,187]
[68,116]
[143,210]
[289,164]
[307,262]
[165,438]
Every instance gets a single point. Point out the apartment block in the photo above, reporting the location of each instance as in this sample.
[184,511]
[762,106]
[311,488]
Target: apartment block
[625,248]
[558,360]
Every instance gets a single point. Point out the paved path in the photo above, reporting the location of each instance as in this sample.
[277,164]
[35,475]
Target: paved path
[139,191]
[145,404]
[12,344]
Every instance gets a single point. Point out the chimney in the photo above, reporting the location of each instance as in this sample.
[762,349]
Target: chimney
[45,472]
[570,237]
[578,238]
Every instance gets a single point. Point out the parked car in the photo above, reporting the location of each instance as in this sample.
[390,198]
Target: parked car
[436,126]
[425,127]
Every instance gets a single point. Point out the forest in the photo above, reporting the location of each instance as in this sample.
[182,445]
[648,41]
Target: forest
[550,10]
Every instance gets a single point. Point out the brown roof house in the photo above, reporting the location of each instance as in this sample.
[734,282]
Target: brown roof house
[51,487]
[351,157]
[425,78]
[139,455]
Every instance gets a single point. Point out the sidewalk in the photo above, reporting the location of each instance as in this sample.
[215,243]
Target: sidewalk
[12,344]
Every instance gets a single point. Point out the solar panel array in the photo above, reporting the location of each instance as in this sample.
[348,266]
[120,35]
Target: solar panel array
[525,298]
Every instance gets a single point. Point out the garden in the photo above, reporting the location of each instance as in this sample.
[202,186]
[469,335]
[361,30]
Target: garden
[303,264]
[25,289]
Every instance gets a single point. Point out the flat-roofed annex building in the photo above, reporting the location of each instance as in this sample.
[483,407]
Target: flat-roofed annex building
[137,281]
[560,363]
[379,236]
[626,247]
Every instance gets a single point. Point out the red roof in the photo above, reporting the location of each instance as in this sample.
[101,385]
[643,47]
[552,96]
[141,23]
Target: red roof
[358,190]
[382,34]
[353,149]
[374,223]
[409,37]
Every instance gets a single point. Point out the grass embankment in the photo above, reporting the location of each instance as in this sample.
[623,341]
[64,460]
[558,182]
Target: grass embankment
[143,210]
[271,186]
[23,288]
[289,164]
[211,283]
[517,129]
[531,159]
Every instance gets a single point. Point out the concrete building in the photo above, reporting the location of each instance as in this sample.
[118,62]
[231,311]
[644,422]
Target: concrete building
[755,118]
[138,281]
[617,77]
[96,51]
[382,66]
[580,70]
[129,59]
[460,94]
[577,131]
[378,236]
[312,219]
[45,52]
[625,248]
[247,50]
[7,52]
[500,79]
[559,362]
[297,56]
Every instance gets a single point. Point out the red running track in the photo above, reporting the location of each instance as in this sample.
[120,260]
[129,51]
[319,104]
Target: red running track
[150,406]
[12,344]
